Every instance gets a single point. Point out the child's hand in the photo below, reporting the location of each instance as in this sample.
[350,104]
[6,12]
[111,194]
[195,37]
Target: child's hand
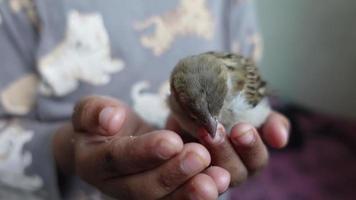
[244,152]
[110,147]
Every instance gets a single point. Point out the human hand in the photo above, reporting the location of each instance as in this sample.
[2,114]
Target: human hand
[243,152]
[113,149]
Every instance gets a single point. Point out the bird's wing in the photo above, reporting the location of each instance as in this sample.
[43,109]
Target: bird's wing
[231,61]
[255,86]
[244,76]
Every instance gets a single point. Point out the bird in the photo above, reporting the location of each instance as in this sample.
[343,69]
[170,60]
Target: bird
[215,88]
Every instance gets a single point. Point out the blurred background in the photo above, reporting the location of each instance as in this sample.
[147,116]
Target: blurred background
[309,61]
[310,52]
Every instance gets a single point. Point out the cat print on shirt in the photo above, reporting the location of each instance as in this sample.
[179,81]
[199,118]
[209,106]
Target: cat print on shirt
[191,17]
[28,7]
[20,95]
[151,106]
[14,160]
[83,55]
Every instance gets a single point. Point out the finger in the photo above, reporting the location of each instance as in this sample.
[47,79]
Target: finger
[63,149]
[173,125]
[87,111]
[223,154]
[166,178]
[127,155]
[220,176]
[200,186]
[249,146]
[105,116]
[276,130]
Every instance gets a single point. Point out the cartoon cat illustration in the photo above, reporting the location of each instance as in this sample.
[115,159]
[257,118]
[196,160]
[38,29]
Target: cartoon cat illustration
[151,107]
[14,160]
[84,55]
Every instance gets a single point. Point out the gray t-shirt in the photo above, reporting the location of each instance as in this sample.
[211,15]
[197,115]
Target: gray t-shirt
[53,52]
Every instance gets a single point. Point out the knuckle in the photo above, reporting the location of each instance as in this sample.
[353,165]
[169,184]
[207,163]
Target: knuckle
[132,152]
[259,164]
[123,156]
[83,102]
[238,176]
[117,151]
[81,110]
[86,107]
[169,180]
[81,167]
[109,162]
[226,157]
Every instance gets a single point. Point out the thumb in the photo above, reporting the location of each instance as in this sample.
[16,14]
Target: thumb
[105,116]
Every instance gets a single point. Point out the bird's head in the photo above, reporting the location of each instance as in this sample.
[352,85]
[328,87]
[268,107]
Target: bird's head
[199,85]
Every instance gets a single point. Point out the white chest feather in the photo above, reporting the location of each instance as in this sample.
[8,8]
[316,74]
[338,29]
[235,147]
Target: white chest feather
[238,110]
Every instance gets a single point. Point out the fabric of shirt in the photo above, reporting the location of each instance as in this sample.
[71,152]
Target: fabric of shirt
[54,52]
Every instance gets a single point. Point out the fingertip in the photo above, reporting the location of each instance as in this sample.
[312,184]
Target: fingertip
[111,119]
[169,145]
[203,186]
[220,176]
[276,131]
[86,114]
[243,134]
[284,135]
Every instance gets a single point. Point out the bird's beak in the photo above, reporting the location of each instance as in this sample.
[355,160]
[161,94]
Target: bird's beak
[211,126]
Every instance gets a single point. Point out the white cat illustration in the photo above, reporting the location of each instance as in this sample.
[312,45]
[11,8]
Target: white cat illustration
[14,160]
[84,55]
[151,106]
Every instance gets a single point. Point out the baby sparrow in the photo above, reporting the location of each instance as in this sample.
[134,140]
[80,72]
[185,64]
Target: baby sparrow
[212,88]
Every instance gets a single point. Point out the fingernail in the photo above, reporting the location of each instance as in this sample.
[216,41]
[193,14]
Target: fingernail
[110,118]
[166,149]
[192,163]
[285,132]
[219,136]
[245,136]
